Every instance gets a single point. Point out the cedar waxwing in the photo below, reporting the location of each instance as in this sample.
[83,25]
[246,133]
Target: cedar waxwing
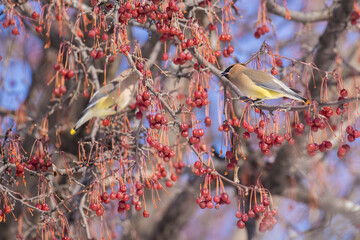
[259,84]
[117,92]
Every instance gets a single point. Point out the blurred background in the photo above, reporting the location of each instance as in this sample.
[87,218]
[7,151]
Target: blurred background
[316,197]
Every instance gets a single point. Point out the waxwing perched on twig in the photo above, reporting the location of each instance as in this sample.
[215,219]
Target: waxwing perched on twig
[259,84]
[118,93]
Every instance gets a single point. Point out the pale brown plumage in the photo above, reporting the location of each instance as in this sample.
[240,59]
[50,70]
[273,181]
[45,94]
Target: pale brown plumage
[259,84]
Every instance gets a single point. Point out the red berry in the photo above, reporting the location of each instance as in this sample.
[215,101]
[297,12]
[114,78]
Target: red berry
[70,74]
[105,37]
[251,213]
[343,93]
[212,27]
[165,57]
[35,15]
[45,207]
[240,224]
[184,126]
[106,122]
[139,115]
[349,129]
[174,177]
[57,66]
[230,49]
[238,214]
[246,135]
[278,61]
[274,71]
[94,206]
[91,33]
[63,72]
[63,89]
[351,138]
[100,212]
[85,93]
[244,217]
[57,91]
[356,133]
[39,29]
[311,147]
[266,202]
[146,214]
[169,183]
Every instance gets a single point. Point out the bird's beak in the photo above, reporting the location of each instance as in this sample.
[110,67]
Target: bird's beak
[222,74]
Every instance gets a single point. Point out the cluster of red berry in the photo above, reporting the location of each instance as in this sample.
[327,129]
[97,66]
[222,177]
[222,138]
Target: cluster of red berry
[205,200]
[313,147]
[10,22]
[261,31]
[35,16]
[164,152]
[20,169]
[326,112]
[268,221]
[143,101]
[45,207]
[352,133]
[66,73]
[96,54]
[228,51]
[225,37]
[225,127]
[39,163]
[199,99]
[182,58]
[123,49]
[157,121]
[266,141]
[343,94]
[201,169]
[315,123]
[178,167]
[196,134]
[259,210]
[232,160]
[343,150]
[161,173]
[94,32]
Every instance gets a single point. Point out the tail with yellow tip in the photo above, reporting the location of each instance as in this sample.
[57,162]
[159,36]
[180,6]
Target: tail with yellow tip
[86,116]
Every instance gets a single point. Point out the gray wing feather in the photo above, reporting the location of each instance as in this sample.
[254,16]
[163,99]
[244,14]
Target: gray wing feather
[274,85]
[101,93]
[110,87]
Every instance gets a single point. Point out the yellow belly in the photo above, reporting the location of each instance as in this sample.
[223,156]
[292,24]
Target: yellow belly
[255,91]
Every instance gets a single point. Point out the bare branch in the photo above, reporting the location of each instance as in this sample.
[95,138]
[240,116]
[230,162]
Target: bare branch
[304,17]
